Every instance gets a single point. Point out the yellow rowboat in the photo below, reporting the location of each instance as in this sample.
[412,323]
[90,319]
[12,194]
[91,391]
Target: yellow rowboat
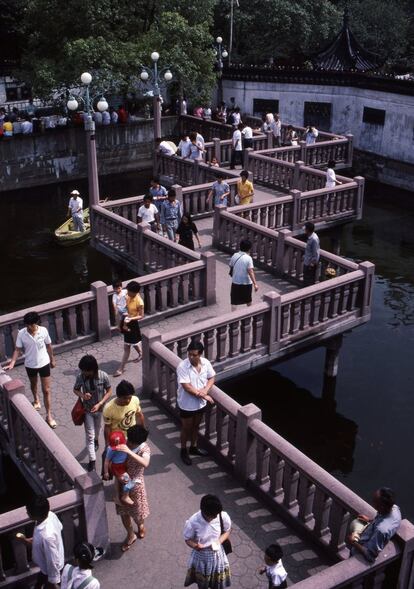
[66,236]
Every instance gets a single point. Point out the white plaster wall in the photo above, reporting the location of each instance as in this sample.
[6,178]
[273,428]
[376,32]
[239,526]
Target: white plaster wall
[394,140]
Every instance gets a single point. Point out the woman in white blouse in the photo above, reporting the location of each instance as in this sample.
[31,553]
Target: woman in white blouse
[205,533]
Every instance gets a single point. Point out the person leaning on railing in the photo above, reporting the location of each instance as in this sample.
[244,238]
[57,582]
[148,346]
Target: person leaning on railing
[380,530]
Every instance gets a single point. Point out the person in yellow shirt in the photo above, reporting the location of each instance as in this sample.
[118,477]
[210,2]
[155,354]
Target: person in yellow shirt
[7,127]
[122,412]
[245,189]
[129,325]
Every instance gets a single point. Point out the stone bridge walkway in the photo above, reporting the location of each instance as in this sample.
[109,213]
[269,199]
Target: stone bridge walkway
[174,492]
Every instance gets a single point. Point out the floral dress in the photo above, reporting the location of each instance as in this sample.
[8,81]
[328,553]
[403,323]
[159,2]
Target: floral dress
[140,510]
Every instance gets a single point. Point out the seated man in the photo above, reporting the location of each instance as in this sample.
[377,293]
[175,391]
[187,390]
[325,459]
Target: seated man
[381,529]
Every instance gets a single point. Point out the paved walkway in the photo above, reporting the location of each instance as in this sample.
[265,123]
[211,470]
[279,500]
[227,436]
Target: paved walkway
[174,492]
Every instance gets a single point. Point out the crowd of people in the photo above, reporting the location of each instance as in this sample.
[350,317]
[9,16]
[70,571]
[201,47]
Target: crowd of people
[28,120]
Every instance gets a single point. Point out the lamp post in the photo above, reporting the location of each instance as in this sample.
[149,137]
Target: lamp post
[221,54]
[89,125]
[153,79]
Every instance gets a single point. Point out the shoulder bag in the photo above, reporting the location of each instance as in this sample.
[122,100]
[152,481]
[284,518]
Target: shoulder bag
[227,547]
[234,265]
[78,413]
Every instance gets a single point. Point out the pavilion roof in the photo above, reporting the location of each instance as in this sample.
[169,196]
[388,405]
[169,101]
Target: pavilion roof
[345,53]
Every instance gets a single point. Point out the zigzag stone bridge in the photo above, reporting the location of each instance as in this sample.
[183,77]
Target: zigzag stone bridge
[272,490]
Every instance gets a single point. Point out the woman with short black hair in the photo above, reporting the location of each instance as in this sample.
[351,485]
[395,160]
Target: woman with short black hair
[205,532]
[242,276]
[129,325]
[80,575]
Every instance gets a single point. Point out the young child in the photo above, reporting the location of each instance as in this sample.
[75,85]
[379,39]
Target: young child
[214,162]
[119,300]
[115,462]
[274,569]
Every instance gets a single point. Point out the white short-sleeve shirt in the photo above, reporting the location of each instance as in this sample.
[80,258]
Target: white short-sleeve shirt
[75,204]
[241,263]
[237,144]
[200,530]
[247,133]
[188,374]
[330,178]
[276,573]
[34,347]
[148,214]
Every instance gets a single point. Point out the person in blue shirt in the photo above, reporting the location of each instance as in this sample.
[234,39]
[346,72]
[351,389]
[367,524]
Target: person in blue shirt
[170,215]
[220,191]
[381,529]
[158,192]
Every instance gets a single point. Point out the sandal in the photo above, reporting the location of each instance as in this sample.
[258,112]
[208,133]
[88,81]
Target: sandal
[52,423]
[141,531]
[36,405]
[127,545]
[118,373]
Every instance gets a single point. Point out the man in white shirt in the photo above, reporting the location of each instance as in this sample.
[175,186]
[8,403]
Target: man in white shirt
[75,209]
[149,214]
[46,543]
[276,128]
[34,342]
[331,180]
[27,127]
[237,150]
[243,278]
[195,377]
[247,136]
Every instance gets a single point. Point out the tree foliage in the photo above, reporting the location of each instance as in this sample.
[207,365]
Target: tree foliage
[111,38]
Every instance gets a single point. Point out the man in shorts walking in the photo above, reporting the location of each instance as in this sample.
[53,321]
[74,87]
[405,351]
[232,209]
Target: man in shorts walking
[34,342]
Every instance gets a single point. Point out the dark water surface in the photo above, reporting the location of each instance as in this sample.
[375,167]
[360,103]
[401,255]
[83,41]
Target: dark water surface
[365,435]
[35,269]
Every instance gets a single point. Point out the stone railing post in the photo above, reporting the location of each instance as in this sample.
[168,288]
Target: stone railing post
[296,195]
[209,278]
[179,194]
[350,154]
[196,172]
[245,443]
[297,175]
[93,496]
[302,150]
[369,270]
[280,251]
[360,180]
[149,377]
[140,251]
[156,164]
[269,140]
[272,325]
[217,149]
[10,388]
[216,224]
[100,315]
[246,157]
[406,537]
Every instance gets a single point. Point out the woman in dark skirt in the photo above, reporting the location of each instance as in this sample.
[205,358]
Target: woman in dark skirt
[185,231]
[242,276]
[129,325]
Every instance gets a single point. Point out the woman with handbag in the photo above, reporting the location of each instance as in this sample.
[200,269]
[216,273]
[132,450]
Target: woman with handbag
[207,533]
[93,388]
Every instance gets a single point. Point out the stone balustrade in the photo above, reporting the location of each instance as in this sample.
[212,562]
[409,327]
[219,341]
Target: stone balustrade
[279,474]
[76,496]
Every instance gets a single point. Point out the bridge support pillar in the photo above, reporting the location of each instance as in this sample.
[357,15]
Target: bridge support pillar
[209,282]
[96,522]
[333,348]
[149,375]
[245,443]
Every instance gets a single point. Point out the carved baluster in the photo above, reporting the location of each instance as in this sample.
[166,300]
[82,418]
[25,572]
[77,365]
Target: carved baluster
[338,525]
[59,326]
[306,310]
[290,485]
[220,415]
[195,285]
[174,284]
[353,293]
[333,311]
[321,511]
[71,323]
[246,329]
[185,282]
[315,310]
[296,308]
[3,355]
[221,341]
[325,304]
[86,323]
[257,330]
[306,496]
[210,422]
[276,474]
[163,291]
[182,345]
[150,300]
[378,580]
[171,386]
[208,341]
[285,329]
[262,463]
[343,304]
[234,346]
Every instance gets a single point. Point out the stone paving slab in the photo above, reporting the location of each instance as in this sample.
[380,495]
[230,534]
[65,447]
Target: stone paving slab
[174,492]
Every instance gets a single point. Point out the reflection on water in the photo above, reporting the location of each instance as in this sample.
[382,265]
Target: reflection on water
[366,441]
[36,268]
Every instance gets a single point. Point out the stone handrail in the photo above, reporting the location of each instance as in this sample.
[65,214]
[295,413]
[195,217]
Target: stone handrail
[125,207]
[339,149]
[257,122]
[280,474]
[221,149]
[209,129]
[188,172]
[50,469]
[275,251]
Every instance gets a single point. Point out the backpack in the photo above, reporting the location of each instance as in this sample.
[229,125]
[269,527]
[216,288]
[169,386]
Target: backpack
[84,583]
